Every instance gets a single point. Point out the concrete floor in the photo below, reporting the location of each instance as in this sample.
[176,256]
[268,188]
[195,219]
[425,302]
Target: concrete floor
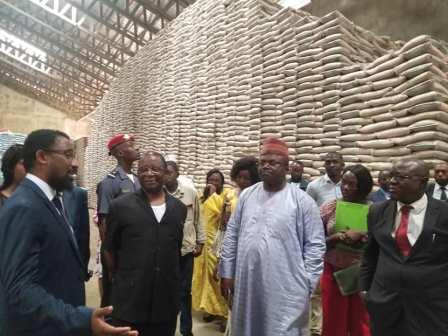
[199,327]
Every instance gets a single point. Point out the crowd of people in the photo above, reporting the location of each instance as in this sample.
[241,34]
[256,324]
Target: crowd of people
[265,255]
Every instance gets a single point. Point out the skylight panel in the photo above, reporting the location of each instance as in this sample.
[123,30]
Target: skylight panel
[67,12]
[23,52]
[294,3]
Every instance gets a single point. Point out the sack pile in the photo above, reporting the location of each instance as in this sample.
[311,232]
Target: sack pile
[228,73]
[396,106]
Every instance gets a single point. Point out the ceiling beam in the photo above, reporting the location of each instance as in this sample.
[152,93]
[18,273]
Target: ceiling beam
[79,31]
[45,81]
[125,12]
[188,2]
[165,10]
[42,36]
[61,60]
[61,35]
[148,4]
[22,80]
[82,60]
[55,66]
[87,10]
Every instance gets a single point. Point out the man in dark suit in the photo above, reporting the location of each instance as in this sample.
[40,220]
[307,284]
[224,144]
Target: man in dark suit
[439,189]
[382,194]
[75,202]
[143,250]
[404,274]
[297,178]
[41,270]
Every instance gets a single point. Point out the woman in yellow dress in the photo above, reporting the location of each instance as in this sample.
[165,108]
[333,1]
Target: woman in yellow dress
[217,204]
[206,293]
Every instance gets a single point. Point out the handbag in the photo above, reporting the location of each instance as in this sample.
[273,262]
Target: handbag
[219,239]
[347,279]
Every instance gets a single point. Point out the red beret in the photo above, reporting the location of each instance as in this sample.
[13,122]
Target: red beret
[118,139]
[274,146]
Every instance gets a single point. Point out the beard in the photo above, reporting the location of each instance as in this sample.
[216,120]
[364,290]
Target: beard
[272,180]
[60,183]
[152,189]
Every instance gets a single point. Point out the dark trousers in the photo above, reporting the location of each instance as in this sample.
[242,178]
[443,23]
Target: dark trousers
[105,299]
[148,329]
[186,275]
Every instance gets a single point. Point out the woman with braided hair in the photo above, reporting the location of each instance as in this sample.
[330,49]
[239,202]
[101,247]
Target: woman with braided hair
[13,171]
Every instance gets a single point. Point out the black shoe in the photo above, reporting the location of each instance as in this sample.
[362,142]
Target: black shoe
[222,327]
[187,334]
[209,318]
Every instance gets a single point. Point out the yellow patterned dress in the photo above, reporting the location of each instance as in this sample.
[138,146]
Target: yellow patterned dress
[206,292]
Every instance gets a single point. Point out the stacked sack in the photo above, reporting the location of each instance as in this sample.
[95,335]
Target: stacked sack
[228,73]
[329,48]
[184,141]
[401,108]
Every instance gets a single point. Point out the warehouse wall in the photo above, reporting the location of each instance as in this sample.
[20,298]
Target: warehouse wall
[399,19]
[21,114]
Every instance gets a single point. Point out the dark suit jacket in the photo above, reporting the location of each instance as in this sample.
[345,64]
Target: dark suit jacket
[146,284]
[41,271]
[377,196]
[75,203]
[407,295]
[430,189]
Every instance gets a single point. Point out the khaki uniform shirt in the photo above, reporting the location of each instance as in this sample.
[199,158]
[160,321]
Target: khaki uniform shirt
[193,228]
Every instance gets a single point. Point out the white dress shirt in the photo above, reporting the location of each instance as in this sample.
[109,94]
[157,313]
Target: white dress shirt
[46,189]
[323,190]
[416,218]
[437,194]
[50,193]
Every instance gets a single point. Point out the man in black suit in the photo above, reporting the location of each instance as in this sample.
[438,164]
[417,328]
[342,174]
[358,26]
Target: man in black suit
[382,194]
[143,251]
[439,189]
[41,270]
[76,204]
[404,274]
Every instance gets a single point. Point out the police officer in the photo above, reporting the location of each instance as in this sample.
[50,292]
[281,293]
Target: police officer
[119,181]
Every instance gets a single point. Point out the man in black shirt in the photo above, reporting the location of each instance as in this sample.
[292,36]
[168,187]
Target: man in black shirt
[143,248]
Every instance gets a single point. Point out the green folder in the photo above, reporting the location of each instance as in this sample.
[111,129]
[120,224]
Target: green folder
[351,216]
[347,279]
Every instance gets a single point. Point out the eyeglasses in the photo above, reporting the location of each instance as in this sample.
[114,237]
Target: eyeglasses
[69,154]
[401,178]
